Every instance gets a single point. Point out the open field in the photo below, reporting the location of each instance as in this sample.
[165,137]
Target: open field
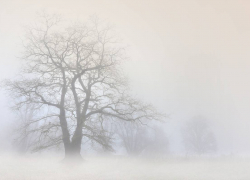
[123,168]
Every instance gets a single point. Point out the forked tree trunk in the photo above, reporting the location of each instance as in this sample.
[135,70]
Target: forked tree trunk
[72,148]
[73,151]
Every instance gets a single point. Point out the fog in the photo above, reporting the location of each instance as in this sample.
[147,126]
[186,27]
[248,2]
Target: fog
[188,58]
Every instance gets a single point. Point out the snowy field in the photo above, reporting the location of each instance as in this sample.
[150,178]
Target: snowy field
[123,168]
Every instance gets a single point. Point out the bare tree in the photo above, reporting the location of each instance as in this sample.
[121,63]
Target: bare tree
[197,136]
[158,145]
[22,140]
[143,139]
[135,137]
[74,76]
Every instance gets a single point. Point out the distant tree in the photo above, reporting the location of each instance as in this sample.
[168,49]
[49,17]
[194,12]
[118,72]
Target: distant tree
[158,145]
[74,76]
[140,139]
[198,137]
[134,137]
[22,139]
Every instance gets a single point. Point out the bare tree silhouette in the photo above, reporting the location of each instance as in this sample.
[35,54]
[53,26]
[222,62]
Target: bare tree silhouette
[74,75]
[197,136]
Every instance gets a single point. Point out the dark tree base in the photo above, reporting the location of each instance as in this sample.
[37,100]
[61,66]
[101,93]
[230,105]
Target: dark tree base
[73,159]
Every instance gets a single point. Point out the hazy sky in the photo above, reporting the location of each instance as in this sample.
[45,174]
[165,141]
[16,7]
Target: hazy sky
[187,57]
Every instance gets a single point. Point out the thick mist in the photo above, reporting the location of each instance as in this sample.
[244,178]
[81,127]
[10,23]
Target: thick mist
[187,58]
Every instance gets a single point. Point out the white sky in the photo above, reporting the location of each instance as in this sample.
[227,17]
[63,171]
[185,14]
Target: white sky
[188,57]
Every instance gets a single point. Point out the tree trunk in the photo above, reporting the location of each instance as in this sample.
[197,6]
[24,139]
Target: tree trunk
[76,140]
[71,152]
[74,150]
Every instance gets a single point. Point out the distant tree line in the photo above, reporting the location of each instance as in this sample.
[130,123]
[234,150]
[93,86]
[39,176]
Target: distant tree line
[136,139]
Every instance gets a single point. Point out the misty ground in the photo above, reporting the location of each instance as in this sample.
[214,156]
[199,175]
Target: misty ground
[120,167]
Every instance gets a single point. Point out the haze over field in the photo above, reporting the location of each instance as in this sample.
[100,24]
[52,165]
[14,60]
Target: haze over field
[188,58]
[112,168]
